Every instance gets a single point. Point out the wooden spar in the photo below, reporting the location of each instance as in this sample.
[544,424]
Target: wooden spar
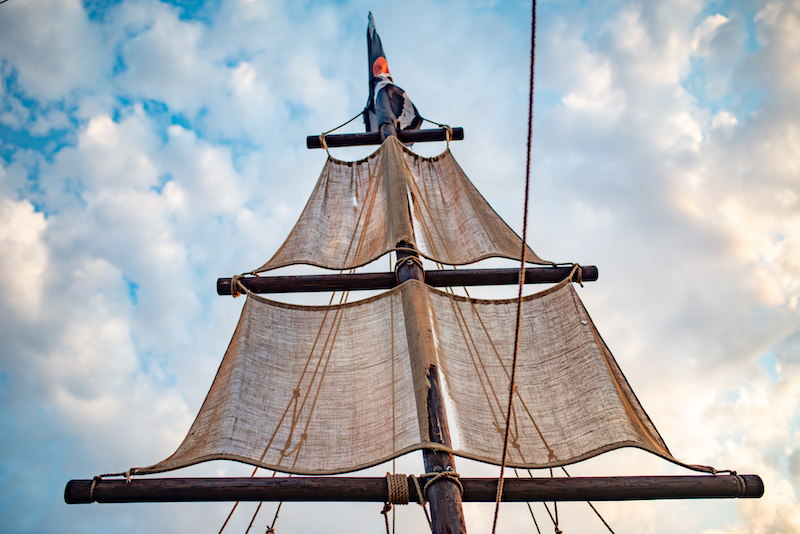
[444,497]
[363,281]
[375,138]
[363,489]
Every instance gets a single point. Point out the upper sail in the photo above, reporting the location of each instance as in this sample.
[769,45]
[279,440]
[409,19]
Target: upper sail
[349,220]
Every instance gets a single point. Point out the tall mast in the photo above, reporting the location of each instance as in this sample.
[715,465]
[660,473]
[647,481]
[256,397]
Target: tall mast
[447,515]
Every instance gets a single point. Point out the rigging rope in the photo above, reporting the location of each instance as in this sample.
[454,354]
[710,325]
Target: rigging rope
[512,385]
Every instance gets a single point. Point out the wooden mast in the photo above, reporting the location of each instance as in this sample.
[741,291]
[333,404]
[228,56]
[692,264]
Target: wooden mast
[447,515]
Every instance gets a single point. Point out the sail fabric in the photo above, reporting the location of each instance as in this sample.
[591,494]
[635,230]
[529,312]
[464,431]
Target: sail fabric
[358,212]
[387,102]
[333,389]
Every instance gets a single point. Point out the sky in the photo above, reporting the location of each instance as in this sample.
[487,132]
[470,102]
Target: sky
[148,148]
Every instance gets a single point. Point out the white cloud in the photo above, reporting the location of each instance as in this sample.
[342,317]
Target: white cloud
[24,260]
[706,31]
[53,46]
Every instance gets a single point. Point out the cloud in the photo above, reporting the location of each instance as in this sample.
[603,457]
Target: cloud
[23,263]
[53,47]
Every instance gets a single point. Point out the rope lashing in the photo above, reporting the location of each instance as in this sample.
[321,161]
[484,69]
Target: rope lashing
[236,285]
[398,485]
[577,269]
[397,489]
[452,476]
[407,260]
[127,474]
[324,143]
[91,488]
[447,129]
[323,134]
[739,479]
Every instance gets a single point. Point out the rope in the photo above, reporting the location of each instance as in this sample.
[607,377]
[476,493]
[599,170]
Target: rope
[739,479]
[512,385]
[127,474]
[591,505]
[447,129]
[397,488]
[579,270]
[421,500]
[323,134]
[452,476]
[408,259]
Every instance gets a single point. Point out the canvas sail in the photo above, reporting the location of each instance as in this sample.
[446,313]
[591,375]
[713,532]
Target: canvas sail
[323,390]
[350,221]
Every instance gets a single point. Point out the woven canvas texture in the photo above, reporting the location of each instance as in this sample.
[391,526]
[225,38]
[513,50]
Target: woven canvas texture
[321,390]
[358,212]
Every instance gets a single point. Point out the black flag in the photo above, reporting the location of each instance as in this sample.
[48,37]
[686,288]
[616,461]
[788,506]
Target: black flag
[387,102]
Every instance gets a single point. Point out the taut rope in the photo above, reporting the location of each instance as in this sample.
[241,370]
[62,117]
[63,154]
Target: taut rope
[512,385]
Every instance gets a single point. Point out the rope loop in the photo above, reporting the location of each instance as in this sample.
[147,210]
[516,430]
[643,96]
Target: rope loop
[577,269]
[236,285]
[400,261]
[127,474]
[91,488]
[739,479]
[452,476]
[324,143]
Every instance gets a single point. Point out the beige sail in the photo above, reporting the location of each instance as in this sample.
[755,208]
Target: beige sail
[354,216]
[332,389]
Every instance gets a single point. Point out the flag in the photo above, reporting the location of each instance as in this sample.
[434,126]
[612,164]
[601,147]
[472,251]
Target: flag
[387,102]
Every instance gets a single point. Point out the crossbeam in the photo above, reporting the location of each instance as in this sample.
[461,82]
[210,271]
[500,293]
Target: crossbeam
[364,281]
[363,489]
[374,138]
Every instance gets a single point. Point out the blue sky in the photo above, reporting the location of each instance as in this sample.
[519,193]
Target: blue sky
[148,148]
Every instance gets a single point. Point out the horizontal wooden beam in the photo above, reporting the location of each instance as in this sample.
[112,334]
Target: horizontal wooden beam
[364,281]
[374,138]
[351,489]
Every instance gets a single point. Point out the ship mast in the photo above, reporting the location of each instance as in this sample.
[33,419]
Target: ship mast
[447,515]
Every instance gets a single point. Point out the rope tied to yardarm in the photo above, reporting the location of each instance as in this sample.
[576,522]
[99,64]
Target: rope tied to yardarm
[397,489]
[396,493]
[407,260]
[323,134]
[452,476]
[127,474]
[739,479]
[448,131]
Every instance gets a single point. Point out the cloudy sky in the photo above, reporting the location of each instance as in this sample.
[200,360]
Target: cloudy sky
[148,148]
